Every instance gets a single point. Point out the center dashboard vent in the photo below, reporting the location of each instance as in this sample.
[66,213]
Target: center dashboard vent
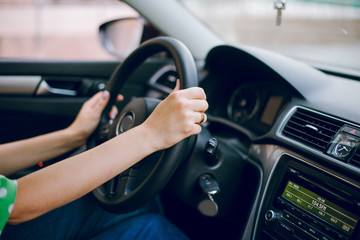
[311,128]
[355,160]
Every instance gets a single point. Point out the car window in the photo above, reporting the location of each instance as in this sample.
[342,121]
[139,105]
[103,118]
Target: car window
[316,31]
[56,29]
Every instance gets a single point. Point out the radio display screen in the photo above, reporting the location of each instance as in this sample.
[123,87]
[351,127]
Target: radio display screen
[321,207]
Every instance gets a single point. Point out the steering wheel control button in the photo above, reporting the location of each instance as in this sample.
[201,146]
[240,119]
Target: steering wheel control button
[125,123]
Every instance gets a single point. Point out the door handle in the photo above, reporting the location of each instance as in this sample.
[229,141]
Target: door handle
[45,89]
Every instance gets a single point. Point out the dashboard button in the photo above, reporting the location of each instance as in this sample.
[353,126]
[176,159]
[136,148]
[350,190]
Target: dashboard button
[324,237]
[342,237]
[296,237]
[300,224]
[287,216]
[293,171]
[313,231]
[351,130]
[281,202]
[286,227]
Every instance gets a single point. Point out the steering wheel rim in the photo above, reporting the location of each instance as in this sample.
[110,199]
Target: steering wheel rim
[181,55]
[169,159]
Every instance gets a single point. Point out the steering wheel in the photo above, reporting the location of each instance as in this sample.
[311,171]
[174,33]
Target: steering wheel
[139,184]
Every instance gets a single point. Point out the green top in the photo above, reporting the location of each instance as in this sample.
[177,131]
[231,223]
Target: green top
[7,198]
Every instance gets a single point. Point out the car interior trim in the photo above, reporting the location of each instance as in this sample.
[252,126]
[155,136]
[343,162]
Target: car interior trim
[275,157]
[276,154]
[319,153]
[21,85]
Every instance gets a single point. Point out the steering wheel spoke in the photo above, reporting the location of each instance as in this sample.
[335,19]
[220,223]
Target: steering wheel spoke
[112,187]
[127,185]
[122,184]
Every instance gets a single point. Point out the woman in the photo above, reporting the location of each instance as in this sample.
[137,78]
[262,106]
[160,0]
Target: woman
[177,117]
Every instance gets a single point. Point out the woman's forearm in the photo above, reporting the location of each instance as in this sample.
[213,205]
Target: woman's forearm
[22,154]
[174,119]
[68,180]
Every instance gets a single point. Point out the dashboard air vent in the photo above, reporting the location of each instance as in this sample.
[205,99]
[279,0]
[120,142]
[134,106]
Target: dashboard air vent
[355,160]
[311,128]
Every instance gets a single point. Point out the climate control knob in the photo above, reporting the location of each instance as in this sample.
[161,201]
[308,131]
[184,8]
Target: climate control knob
[271,215]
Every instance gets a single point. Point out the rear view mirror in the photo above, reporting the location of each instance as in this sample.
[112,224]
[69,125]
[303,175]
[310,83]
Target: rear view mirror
[121,36]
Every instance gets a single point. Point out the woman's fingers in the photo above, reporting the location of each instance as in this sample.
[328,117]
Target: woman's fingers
[93,107]
[200,105]
[98,101]
[193,93]
[89,115]
[203,119]
[177,86]
[119,98]
[198,118]
[114,111]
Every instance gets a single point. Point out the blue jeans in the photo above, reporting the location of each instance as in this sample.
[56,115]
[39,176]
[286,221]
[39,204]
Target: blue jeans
[84,219]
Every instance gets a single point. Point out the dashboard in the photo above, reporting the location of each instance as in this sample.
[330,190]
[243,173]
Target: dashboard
[298,130]
[282,141]
[307,148]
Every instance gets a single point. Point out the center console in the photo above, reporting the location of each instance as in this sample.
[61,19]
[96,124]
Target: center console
[307,202]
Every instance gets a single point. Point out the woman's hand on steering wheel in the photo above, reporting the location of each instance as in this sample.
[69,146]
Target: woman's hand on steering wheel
[177,117]
[89,116]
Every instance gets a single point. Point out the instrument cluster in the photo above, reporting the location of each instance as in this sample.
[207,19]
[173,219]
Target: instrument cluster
[256,105]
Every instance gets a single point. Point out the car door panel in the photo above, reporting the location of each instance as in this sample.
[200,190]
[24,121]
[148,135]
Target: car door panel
[37,97]
[40,96]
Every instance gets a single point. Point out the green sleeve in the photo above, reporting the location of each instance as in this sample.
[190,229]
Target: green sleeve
[8,190]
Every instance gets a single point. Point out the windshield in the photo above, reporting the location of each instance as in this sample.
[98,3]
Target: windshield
[320,32]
